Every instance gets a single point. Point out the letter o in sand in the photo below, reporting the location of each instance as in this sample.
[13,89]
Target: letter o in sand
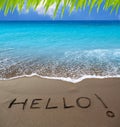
[83,102]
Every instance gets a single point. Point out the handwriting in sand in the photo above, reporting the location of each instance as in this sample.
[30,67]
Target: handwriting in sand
[79,103]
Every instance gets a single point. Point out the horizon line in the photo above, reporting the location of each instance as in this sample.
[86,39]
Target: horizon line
[56,20]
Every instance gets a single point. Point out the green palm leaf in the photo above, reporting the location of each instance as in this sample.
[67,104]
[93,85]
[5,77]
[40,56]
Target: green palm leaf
[10,5]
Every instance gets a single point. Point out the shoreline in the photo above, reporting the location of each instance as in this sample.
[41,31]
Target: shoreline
[68,79]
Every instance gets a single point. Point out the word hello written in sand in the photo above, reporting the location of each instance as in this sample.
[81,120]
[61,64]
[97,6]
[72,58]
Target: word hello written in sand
[79,103]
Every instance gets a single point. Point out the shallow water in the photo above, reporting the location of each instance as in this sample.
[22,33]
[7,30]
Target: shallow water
[71,50]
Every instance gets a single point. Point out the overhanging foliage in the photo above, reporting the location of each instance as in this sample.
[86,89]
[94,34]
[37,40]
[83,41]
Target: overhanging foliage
[10,5]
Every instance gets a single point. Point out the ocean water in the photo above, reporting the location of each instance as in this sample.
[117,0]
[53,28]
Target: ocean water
[68,51]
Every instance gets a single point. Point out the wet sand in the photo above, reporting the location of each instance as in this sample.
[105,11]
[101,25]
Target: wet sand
[37,102]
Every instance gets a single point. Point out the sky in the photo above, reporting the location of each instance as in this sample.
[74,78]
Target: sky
[75,15]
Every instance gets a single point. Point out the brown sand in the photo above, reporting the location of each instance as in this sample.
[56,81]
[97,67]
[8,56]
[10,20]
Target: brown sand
[90,103]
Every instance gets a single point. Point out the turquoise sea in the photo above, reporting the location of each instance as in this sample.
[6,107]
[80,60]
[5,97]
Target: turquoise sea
[63,50]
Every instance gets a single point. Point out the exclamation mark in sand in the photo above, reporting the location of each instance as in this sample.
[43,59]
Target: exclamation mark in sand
[108,113]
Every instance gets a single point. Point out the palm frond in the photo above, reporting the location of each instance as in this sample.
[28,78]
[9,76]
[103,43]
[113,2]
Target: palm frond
[10,5]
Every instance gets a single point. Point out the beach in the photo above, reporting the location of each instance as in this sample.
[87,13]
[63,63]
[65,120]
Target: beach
[39,102]
[60,49]
[60,74]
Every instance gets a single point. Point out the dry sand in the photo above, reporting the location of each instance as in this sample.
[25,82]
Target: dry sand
[53,103]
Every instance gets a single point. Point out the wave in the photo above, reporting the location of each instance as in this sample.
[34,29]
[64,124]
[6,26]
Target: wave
[68,79]
[70,66]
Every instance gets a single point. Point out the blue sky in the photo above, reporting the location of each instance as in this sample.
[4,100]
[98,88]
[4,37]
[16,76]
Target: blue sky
[76,15]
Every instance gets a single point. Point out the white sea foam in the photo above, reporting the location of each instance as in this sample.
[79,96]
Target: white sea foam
[68,79]
[76,66]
